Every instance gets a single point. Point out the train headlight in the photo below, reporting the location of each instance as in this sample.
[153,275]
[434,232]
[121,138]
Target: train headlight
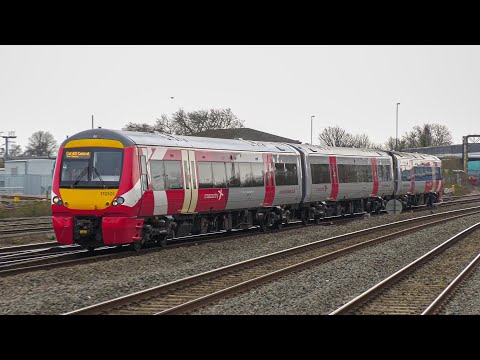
[57,200]
[118,201]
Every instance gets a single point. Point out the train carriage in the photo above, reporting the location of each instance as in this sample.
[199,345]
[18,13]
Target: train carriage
[346,180]
[119,187]
[420,178]
[115,187]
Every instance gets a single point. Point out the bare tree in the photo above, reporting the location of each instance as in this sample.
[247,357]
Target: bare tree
[362,141]
[393,144]
[427,135]
[441,135]
[335,136]
[183,123]
[138,127]
[15,150]
[41,143]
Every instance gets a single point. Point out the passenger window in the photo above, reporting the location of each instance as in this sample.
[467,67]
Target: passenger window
[157,172]
[291,175]
[280,174]
[246,178]
[205,178]
[173,175]
[257,172]
[233,174]
[320,173]
[219,175]
[194,179]
[386,172]
[347,173]
[187,174]
[144,176]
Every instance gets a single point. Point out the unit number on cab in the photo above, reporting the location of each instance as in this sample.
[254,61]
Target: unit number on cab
[107,193]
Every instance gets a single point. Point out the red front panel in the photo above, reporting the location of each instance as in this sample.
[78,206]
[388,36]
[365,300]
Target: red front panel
[63,226]
[334,177]
[121,230]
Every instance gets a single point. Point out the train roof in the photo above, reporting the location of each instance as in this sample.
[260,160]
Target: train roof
[131,138]
[340,151]
[409,155]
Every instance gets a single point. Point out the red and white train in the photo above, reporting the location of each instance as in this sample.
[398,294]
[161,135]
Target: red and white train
[119,187]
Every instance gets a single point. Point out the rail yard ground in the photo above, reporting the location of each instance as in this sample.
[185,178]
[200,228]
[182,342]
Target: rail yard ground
[317,290]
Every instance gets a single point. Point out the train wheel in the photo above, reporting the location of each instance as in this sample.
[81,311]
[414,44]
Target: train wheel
[213,226]
[162,241]
[135,246]
[268,221]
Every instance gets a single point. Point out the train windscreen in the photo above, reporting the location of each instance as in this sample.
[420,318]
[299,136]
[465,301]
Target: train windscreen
[91,168]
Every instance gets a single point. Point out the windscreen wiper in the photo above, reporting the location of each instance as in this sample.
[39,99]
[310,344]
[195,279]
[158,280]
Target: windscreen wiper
[80,176]
[99,176]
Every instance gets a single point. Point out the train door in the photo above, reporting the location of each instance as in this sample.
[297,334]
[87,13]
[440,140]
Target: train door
[190,181]
[148,203]
[429,170]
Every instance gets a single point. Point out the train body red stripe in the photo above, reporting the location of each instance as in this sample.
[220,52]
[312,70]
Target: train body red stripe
[375,178]
[334,177]
[269,180]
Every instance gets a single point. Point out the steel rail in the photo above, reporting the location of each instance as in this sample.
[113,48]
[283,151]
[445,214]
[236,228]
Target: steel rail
[443,296]
[365,296]
[182,284]
[70,259]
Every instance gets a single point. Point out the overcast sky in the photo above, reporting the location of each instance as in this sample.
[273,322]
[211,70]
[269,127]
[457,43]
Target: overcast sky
[272,88]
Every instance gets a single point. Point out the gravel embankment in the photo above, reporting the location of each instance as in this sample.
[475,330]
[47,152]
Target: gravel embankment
[466,300]
[324,288]
[60,290]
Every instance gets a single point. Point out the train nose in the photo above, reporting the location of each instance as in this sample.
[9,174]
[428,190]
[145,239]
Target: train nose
[87,199]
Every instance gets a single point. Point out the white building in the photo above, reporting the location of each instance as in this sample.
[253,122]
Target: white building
[29,167]
[27,176]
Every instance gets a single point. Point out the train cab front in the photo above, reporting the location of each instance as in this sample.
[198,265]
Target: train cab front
[90,193]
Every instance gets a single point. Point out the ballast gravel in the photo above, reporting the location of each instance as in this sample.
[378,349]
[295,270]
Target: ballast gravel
[318,290]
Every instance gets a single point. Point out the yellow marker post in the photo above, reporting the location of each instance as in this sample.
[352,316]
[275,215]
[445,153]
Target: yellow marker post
[16,199]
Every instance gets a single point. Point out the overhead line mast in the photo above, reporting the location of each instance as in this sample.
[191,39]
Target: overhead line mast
[11,135]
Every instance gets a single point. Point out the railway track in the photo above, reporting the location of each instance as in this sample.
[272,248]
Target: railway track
[55,255]
[14,220]
[25,225]
[185,295]
[421,287]
[44,224]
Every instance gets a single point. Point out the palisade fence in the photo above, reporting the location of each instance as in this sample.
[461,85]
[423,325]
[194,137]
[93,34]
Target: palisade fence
[26,184]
